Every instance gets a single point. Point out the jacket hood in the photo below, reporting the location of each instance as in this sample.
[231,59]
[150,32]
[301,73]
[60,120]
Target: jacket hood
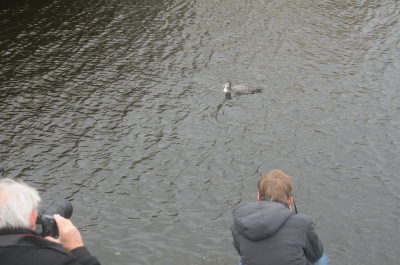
[260,220]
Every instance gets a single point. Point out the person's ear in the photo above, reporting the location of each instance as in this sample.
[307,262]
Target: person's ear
[32,219]
[258,197]
[290,201]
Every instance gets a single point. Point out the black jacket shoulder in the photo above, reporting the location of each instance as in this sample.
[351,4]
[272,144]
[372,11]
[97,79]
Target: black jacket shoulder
[26,247]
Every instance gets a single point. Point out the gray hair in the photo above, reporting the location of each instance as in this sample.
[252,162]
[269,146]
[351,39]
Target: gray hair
[17,202]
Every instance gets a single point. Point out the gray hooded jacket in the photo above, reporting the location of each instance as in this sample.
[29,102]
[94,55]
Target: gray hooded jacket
[270,233]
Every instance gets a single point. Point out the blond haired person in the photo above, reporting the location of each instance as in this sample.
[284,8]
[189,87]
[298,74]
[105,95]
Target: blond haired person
[268,232]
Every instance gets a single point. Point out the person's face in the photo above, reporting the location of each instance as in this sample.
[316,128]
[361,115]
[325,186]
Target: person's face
[32,220]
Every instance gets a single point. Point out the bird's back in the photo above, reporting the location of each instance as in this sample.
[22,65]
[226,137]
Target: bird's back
[246,89]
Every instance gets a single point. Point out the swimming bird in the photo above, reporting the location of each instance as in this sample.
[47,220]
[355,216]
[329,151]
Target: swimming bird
[241,89]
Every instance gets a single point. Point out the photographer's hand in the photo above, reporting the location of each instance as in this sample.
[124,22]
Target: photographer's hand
[69,235]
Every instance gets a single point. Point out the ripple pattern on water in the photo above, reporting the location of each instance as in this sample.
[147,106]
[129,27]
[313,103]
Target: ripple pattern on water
[118,106]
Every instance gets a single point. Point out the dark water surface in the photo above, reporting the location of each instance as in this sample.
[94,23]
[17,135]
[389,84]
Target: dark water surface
[118,106]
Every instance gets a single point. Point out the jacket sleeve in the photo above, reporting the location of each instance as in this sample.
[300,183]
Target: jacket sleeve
[84,257]
[235,241]
[314,248]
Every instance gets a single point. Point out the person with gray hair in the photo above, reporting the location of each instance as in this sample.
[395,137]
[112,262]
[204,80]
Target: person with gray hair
[20,244]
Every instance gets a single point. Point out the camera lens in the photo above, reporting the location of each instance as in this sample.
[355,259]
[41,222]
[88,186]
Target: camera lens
[61,206]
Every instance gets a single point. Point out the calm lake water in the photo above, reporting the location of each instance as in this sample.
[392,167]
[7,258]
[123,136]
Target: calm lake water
[118,107]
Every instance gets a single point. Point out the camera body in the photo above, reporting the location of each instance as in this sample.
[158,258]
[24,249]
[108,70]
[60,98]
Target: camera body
[45,223]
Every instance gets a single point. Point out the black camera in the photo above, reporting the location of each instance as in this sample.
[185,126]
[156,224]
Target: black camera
[45,223]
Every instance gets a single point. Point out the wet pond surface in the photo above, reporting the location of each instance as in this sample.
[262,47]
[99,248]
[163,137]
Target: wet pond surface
[118,106]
